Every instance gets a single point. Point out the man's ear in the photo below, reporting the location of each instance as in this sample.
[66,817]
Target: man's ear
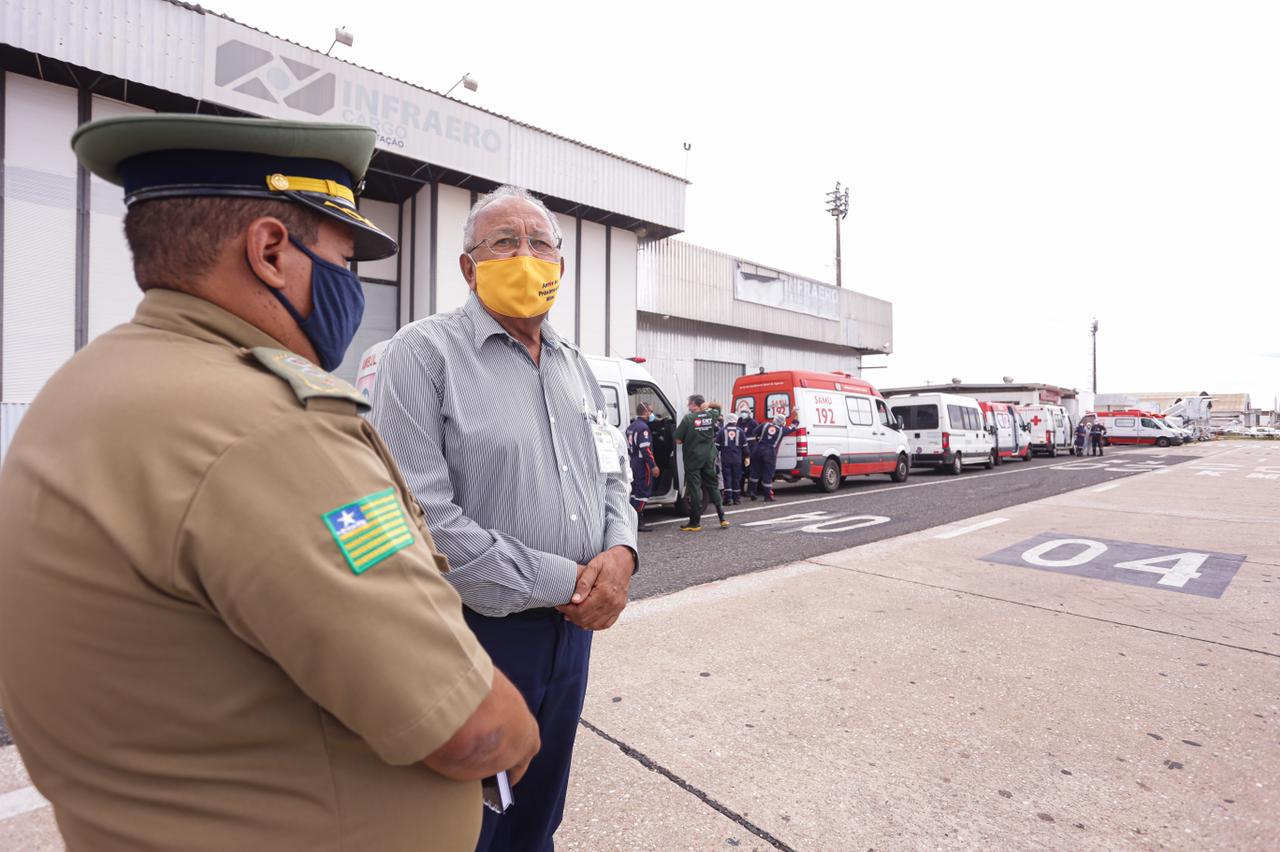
[265,240]
[468,266]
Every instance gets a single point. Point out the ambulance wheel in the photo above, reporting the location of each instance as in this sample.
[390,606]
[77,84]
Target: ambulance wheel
[830,479]
[902,470]
[992,460]
[1027,457]
[1053,451]
[1162,442]
[957,465]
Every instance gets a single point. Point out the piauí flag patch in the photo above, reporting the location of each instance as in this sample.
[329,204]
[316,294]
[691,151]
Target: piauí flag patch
[370,529]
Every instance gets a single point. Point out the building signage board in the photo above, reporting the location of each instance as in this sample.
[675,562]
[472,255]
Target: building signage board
[252,71]
[787,292]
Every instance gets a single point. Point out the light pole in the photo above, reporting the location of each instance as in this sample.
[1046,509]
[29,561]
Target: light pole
[466,81]
[340,36]
[838,207]
[1093,330]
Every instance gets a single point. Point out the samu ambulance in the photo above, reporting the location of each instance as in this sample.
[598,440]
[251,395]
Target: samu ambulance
[845,428]
[1011,432]
[1136,427]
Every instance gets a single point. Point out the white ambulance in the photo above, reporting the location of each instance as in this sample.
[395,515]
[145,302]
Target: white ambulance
[1136,427]
[1011,432]
[945,430]
[1052,431]
[843,425]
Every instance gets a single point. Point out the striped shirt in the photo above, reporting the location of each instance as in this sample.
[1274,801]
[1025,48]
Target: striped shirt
[500,453]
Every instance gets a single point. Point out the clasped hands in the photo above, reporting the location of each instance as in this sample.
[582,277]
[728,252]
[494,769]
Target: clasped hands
[600,594]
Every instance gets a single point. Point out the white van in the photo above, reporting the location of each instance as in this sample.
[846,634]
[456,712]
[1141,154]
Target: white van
[945,430]
[624,383]
[1052,430]
[843,425]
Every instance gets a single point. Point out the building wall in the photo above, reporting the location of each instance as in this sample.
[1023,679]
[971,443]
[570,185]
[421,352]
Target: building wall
[672,347]
[680,279]
[113,292]
[591,283]
[174,47]
[40,198]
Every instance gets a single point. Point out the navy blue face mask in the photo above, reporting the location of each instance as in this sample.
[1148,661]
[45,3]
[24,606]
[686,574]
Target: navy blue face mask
[337,306]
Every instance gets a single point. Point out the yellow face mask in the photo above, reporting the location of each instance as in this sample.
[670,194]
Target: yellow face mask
[519,286]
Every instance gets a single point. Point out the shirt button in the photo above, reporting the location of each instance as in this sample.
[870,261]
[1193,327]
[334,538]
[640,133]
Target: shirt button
[564,467]
[553,420]
[573,517]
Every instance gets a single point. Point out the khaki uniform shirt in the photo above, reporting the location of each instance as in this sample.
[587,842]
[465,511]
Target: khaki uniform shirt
[223,624]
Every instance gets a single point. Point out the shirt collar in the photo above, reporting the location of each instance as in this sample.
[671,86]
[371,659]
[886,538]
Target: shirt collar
[191,316]
[484,326]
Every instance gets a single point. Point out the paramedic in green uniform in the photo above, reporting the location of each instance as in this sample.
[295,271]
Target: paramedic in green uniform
[697,435]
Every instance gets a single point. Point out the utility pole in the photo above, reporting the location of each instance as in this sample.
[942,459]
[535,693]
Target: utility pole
[838,207]
[1093,329]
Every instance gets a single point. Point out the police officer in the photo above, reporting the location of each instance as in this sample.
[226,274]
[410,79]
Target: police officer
[644,467]
[224,624]
[765,457]
[697,434]
[732,442]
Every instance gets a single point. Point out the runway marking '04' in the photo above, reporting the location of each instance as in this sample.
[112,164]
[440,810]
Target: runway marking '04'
[1169,569]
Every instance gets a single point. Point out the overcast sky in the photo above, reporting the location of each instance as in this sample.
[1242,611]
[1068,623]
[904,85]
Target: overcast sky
[1016,168]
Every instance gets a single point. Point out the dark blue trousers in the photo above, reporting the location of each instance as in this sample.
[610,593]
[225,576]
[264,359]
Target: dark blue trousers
[732,470]
[763,463]
[546,657]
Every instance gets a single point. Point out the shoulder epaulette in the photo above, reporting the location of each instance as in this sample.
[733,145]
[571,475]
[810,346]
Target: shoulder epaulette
[307,380]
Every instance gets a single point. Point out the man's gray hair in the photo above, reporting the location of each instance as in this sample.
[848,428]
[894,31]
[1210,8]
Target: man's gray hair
[504,191]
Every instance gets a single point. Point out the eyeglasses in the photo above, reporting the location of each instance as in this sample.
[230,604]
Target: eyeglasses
[508,246]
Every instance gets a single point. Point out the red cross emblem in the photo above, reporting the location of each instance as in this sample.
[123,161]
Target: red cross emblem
[1035,421]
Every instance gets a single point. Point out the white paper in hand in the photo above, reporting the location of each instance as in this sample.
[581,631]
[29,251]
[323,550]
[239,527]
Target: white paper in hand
[497,792]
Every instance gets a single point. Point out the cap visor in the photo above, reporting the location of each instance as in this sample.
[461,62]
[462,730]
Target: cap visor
[371,242]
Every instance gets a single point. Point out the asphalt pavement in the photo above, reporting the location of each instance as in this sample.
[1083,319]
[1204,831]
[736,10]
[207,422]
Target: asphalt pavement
[804,522]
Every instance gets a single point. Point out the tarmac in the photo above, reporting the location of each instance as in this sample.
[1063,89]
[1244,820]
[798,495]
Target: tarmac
[1000,682]
[911,694]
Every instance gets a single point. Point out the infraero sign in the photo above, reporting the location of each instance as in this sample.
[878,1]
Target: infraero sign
[257,73]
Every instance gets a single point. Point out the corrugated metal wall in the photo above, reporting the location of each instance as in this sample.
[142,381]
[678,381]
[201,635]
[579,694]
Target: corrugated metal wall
[714,380]
[10,415]
[671,347]
[684,280]
[166,45]
[145,41]
[551,165]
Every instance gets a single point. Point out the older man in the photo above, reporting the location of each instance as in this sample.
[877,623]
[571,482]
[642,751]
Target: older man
[499,426]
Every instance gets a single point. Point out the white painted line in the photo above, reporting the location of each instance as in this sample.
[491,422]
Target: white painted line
[780,504]
[21,801]
[1101,488]
[972,528]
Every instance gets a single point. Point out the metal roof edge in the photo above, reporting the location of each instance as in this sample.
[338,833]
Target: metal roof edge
[193,7]
[732,256]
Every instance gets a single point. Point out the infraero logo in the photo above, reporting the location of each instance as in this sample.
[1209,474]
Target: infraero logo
[261,74]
